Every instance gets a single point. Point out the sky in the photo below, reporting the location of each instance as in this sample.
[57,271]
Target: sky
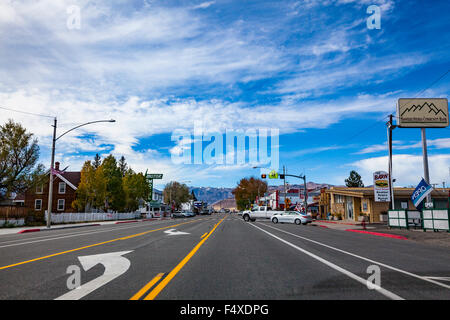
[311,71]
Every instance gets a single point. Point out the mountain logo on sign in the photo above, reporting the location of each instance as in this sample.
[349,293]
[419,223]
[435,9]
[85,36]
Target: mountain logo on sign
[431,108]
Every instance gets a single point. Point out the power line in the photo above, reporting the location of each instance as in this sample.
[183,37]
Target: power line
[29,113]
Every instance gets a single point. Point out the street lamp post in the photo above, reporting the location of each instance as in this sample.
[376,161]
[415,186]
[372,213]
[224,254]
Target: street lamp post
[50,187]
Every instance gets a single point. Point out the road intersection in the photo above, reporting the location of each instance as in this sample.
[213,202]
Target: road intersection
[218,257]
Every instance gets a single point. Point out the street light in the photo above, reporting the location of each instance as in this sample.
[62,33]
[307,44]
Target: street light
[50,188]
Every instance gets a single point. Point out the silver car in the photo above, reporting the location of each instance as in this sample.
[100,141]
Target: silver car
[291,217]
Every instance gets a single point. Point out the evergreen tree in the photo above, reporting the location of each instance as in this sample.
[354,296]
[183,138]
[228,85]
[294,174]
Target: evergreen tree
[97,161]
[354,180]
[123,166]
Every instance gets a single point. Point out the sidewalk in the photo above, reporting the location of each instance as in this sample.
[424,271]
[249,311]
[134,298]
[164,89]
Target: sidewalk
[381,229]
[4,231]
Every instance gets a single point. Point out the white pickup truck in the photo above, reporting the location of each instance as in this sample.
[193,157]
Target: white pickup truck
[261,212]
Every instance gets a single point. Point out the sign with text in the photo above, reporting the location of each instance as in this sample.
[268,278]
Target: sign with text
[381,186]
[154,175]
[421,191]
[422,113]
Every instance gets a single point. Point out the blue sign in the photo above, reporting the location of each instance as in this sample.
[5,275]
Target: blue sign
[422,190]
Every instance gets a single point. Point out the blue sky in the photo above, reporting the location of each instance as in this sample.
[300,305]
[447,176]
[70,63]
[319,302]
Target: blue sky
[311,69]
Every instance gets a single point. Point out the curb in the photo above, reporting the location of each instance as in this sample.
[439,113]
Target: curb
[57,228]
[386,235]
[347,224]
[127,221]
[29,230]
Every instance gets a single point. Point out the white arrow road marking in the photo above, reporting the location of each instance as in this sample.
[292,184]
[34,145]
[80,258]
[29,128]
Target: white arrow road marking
[114,264]
[172,232]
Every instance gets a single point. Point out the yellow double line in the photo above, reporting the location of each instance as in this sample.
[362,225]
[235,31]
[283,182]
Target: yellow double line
[152,295]
[93,245]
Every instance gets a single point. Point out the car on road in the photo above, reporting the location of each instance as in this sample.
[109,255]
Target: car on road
[178,214]
[188,214]
[260,212]
[291,217]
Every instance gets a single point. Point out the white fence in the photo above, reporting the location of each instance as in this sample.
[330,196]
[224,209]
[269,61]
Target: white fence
[91,216]
[17,222]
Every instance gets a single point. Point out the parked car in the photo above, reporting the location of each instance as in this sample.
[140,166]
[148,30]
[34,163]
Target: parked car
[188,214]
[291,217]
[178,214]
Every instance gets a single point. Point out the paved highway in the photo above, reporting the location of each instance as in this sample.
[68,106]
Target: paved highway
[218,257]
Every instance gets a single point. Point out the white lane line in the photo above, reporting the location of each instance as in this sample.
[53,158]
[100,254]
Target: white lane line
[384,292]
[41,239]
[366,259]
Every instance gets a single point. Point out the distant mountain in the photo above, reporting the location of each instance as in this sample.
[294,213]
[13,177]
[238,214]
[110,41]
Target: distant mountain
[210,194]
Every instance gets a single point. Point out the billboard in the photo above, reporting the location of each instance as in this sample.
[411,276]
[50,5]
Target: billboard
[422,113]
[381,186]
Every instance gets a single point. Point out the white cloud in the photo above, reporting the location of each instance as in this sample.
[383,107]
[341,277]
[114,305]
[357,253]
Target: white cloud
[407,169]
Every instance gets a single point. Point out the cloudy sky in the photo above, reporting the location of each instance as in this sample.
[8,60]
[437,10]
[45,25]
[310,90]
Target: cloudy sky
[311,69]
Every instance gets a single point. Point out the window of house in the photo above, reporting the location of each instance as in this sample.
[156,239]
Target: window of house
[339,198]
[61,203]
[39,189]
[38,204]
[62,187]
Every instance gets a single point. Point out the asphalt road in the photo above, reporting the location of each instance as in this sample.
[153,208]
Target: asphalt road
[218,257]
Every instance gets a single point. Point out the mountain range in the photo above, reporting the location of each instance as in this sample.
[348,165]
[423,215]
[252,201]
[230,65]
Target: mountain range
[211,194]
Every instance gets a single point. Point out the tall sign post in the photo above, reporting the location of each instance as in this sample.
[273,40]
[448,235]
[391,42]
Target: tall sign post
[423,113]
[150,177]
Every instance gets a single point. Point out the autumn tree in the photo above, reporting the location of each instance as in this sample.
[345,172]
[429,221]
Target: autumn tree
[176,193]
[247,190]
[115,195]
[19,153]
[135,187]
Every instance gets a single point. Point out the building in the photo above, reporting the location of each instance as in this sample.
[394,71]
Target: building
[64,187]
[350,203]
[229,204]
[276,199]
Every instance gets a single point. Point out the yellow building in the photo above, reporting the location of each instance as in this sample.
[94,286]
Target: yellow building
[351,203]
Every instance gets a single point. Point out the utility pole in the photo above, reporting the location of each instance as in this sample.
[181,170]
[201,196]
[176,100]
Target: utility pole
[390,127]
[284,176]
[50,187]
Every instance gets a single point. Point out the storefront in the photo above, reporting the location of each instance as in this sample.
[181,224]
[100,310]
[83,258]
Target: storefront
[353,203]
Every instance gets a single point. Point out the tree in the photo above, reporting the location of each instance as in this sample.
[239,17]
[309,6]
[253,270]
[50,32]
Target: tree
[354,180]
[19,153]
[97,161]
[91,192]
[115,195]
[247,191]
[135,187]
[176,193]
[122,166]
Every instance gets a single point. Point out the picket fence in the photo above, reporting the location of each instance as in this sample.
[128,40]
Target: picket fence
[91,216]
